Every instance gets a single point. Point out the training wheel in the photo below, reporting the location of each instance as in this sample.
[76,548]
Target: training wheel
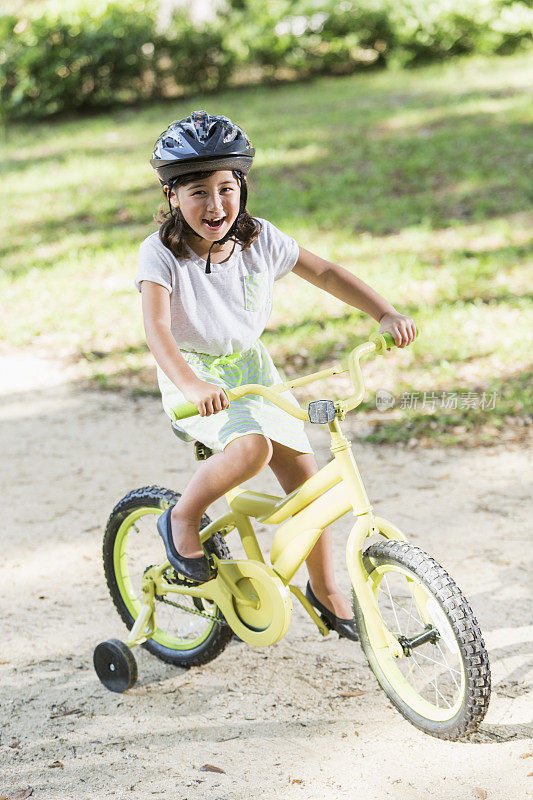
[115,665]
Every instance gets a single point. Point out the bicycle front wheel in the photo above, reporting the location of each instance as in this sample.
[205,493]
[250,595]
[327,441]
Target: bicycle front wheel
[189,631]
[441,684]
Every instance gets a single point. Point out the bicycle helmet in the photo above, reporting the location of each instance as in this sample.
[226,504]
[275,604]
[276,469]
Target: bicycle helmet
[203,141]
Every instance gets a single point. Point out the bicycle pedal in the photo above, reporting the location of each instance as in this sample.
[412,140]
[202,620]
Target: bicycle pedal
[202,451]
[180,580]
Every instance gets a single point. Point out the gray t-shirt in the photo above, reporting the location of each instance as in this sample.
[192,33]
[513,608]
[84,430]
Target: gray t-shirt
[226,311]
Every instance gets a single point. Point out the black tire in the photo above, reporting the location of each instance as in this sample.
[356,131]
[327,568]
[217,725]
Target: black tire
[137,512]
[460,679]
[115,665]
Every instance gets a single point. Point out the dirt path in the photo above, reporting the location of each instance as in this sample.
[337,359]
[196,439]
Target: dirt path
[273,719]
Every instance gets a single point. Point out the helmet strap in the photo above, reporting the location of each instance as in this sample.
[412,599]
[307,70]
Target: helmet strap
[208,264]
[170,186]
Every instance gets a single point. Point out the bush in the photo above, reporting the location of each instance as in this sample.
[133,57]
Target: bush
[191,58]
[317,36]
[444,28]
[93,53]
[92,58]
[96,56]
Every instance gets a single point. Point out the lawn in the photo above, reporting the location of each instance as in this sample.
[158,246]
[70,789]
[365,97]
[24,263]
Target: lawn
[419,182]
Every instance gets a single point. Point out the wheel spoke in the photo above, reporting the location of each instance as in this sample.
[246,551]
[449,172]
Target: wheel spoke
[409,616]
[392,603]
[435,679]
[451,669]
[428,679]
[395,605]
[439,663]
[405,614]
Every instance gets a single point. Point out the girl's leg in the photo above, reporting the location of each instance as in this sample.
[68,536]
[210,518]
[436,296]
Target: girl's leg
[293,468]
[241,459]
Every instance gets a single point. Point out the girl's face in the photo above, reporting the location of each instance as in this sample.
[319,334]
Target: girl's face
[209,205]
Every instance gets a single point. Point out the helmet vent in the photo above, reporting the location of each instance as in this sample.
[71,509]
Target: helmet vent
[212,141]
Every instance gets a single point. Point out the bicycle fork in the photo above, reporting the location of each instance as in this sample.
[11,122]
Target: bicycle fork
[378,632]
[364,526]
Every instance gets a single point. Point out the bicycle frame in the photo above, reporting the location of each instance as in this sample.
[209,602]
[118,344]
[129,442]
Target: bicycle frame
[333,491]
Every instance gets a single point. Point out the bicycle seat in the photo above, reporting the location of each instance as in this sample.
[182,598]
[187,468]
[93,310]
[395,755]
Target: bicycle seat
[180,433]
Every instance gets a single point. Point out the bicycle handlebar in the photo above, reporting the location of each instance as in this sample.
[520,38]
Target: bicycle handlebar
[377,343]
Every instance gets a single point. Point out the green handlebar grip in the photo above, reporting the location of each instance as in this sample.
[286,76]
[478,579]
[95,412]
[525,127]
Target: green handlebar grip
[382,341]
[183,410]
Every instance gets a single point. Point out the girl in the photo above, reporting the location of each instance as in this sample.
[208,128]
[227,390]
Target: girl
[206,280]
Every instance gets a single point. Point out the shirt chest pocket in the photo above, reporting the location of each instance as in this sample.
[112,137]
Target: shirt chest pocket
[256,291]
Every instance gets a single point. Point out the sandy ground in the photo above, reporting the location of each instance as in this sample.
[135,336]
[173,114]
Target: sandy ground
[273,719]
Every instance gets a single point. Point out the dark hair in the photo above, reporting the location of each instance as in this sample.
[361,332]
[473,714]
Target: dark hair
[173,227]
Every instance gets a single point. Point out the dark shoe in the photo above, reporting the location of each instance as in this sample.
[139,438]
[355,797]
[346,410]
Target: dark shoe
[195,569]
[344,627]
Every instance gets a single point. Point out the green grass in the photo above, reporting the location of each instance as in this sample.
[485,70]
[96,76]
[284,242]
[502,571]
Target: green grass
[419,182]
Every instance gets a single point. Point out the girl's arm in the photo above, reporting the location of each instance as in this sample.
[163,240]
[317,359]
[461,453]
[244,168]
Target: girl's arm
[207,397]
[352,290]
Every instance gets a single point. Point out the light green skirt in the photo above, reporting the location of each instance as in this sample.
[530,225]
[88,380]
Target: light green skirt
[250,414]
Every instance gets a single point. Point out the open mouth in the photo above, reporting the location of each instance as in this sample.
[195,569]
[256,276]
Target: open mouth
[214,224]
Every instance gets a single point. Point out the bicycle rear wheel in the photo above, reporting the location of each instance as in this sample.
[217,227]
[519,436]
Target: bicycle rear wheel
[191,634]
[442,682]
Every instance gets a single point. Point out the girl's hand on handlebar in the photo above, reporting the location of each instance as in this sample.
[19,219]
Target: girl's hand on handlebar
[402,328]
[207,397]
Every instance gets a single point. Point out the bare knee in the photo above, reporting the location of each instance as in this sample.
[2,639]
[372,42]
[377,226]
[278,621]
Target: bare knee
[253,449]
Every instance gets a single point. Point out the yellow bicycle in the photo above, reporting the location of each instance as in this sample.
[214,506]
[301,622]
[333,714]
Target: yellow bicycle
[416,629]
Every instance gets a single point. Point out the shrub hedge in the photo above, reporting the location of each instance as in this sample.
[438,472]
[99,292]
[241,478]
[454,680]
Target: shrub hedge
[85,54]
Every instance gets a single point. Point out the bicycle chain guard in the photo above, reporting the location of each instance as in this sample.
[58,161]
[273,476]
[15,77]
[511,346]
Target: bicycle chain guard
[253,599]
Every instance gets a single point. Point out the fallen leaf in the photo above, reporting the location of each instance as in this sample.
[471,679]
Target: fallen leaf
[526,755]
[355,733]
[21,795]
[56,764]
[530,775]
[296,780]
[211,768]
[480,793]
[14,745]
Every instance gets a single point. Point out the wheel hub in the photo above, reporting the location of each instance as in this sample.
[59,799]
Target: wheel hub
[430,634]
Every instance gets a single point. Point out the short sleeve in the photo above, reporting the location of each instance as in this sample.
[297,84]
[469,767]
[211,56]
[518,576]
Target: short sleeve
[283,251]
[153,264]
